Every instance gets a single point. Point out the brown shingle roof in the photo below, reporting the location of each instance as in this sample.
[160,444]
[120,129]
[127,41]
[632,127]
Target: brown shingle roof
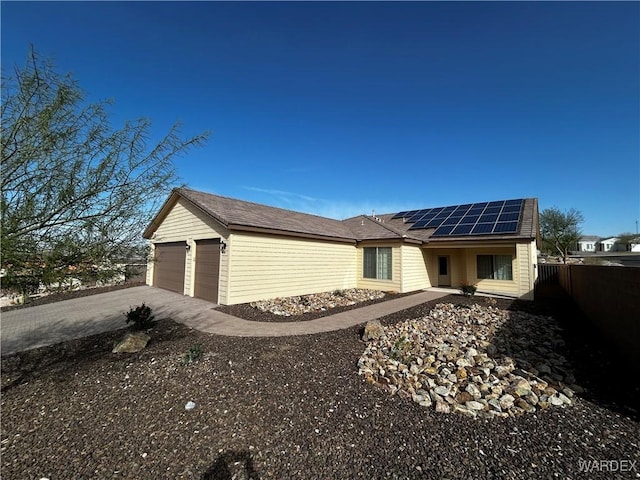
[366,228]
[234,213]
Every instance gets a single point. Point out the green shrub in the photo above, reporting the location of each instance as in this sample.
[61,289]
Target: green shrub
[194,354]
[140,317]
[401,350]
[468,290]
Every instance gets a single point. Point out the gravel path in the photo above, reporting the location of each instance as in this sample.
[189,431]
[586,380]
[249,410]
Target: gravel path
[290,407]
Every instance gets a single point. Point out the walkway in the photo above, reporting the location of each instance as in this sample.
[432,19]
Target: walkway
[52,323]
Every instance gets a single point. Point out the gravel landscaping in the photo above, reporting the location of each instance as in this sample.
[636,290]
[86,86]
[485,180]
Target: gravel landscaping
[308,307]
[296,407]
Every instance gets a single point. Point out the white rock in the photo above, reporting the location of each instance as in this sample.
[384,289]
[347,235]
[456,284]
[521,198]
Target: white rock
[442,391]
[190,405]
[473,391]
[473,405]
[555,401]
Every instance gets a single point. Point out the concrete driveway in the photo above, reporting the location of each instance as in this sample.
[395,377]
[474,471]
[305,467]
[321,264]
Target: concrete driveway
[80,317]
[42,325]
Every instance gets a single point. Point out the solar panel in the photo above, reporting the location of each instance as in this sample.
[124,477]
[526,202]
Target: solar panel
[462,229]
[420,224]
[484,218]
[443,230]
[506,227]
[511,209]
[416,216]
[492,210]
[402,214]
[482,228]
[451,221]
[463,208]
[508,217]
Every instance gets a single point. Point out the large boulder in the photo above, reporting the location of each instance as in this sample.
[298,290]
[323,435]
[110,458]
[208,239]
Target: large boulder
[133,342]
[373,330]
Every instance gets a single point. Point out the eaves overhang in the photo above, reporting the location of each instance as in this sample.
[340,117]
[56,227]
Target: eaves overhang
[234,227]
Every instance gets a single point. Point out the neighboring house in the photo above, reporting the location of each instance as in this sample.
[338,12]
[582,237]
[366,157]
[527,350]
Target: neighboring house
[230,251]
[588,243]
[612,244]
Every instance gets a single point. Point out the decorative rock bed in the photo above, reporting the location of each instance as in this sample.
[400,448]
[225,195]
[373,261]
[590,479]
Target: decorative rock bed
[475,360]
[317,302]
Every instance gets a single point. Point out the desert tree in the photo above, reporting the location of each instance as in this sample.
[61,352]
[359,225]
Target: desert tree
[76,192]
[560,231]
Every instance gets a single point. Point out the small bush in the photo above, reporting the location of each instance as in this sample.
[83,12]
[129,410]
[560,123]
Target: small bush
[468,290]
[401,350]
[194,354]
[140,317]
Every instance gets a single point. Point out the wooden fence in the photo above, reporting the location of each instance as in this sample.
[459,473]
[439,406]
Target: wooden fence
[608,295]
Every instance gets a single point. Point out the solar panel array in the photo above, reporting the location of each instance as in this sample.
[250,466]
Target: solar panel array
[485,218]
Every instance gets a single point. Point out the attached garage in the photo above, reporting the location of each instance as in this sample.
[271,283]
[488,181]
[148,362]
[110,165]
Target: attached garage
[207,271]
[169,266]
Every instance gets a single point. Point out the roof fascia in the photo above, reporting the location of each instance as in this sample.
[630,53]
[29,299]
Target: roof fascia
[286,233]
[471,242]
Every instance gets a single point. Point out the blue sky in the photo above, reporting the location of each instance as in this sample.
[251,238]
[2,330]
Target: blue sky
[342,108]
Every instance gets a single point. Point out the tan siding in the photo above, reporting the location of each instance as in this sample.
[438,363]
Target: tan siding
[393,285]
[457,265]
[186,222]
[463,265]
[526,258]
[414,269]
[502,287]
[265,266]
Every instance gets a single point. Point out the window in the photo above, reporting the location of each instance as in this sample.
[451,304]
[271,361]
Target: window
[443,265]
[377,263]
[495,267]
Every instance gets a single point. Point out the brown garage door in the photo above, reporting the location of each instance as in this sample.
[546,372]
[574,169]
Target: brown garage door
[207,269]
[168,269]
